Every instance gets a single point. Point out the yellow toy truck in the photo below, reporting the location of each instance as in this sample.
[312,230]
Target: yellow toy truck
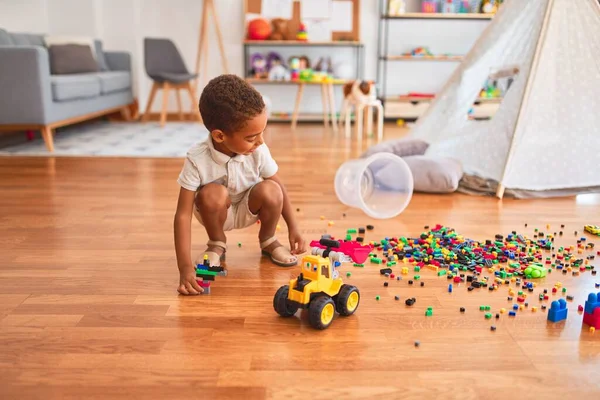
[318,288]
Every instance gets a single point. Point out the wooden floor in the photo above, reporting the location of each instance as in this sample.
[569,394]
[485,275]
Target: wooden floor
[89,308]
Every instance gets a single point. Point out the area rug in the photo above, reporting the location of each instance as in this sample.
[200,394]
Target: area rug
[106,139]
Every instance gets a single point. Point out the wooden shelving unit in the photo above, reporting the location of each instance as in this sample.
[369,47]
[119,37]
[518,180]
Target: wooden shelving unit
[341,43]
[414,105]
[422,58]
[416,15]
[258,81]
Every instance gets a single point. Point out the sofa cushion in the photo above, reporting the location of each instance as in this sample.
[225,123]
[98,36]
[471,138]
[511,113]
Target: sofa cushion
[114,81]
[5,39]
[100,57]
[71,59]
[27,39]
[74,86]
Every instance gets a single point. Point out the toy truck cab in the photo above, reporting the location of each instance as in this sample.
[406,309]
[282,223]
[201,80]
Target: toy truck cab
[319,289]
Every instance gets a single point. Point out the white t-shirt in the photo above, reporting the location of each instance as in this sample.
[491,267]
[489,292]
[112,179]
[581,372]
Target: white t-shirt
[204,164]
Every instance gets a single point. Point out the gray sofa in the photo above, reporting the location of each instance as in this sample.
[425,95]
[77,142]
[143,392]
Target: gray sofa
[31,98]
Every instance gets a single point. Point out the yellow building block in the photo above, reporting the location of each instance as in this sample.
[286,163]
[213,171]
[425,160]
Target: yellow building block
[404,271]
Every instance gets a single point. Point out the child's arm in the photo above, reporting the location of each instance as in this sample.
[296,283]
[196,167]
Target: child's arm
[183,243]
[297,243]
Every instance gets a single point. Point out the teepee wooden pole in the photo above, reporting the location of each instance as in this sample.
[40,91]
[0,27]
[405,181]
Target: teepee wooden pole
[501,188]
[202,55]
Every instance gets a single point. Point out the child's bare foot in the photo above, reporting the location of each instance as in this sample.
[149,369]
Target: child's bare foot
[278,254]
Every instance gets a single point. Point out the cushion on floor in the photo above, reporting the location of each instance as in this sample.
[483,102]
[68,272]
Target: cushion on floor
[400,147]
[434,175]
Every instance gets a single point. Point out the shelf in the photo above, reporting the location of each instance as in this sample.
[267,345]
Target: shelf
[274,82]
[340,43]
[415,99]
[463,16]
[422,58]
[302,117]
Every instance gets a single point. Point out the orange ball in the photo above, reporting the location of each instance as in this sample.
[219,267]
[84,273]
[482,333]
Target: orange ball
[259,29]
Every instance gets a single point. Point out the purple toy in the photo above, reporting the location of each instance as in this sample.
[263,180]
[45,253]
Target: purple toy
[258,66]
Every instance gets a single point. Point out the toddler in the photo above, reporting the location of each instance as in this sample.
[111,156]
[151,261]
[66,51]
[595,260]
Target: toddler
[229,181]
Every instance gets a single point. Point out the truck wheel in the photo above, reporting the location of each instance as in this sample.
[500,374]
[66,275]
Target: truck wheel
[281,305]
[347,300]
[321,312]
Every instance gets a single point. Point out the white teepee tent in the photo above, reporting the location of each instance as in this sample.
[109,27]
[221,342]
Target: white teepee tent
[544,140]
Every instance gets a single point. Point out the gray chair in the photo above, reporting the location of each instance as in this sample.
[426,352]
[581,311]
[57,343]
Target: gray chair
[165,66]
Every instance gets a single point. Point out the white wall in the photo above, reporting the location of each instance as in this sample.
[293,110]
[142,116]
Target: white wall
[122,25]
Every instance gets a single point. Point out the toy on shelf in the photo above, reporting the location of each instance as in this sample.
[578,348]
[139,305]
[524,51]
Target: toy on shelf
[208,274]
[259,29]
[429,6]
[591,313]
[294,68]
[302,35]
[490,6]
[448,7]
[318,288]
[280,29]
[277,71]
[396,7]
[258,65]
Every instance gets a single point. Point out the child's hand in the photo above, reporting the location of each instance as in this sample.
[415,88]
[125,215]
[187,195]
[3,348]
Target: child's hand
[297,243]
[188,284]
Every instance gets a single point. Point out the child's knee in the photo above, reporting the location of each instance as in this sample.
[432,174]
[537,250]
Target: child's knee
[212,197]
[270,193]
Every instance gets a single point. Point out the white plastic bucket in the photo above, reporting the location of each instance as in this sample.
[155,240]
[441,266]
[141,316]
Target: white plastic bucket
[380,185]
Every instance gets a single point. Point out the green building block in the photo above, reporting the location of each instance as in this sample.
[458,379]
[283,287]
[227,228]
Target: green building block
[534,271]
[488,315]
[351,231]
[348,274]
[481,308]
[377,298]
[429,312]
[359,265]
[417,268]
[391,263]
[441,272]
[348,237]
[417,277]
[376,260]
[488,308]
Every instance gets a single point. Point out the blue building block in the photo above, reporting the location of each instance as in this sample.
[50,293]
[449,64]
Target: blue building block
[450,288]
[558,310]
[515,307]
[512,314]
[592,303]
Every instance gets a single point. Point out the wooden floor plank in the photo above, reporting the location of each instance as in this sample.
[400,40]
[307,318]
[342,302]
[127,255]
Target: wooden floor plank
[89,308]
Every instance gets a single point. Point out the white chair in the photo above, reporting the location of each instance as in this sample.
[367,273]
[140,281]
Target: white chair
[358,100]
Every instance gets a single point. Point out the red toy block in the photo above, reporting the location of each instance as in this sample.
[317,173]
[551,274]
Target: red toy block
[554,290]
[580,308]
[457,279]
[592,319]
[521,299]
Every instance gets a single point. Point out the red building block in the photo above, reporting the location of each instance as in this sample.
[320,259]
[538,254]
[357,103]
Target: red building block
[592,319]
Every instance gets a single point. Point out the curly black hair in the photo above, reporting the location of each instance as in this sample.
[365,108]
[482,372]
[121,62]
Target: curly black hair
[228,102]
